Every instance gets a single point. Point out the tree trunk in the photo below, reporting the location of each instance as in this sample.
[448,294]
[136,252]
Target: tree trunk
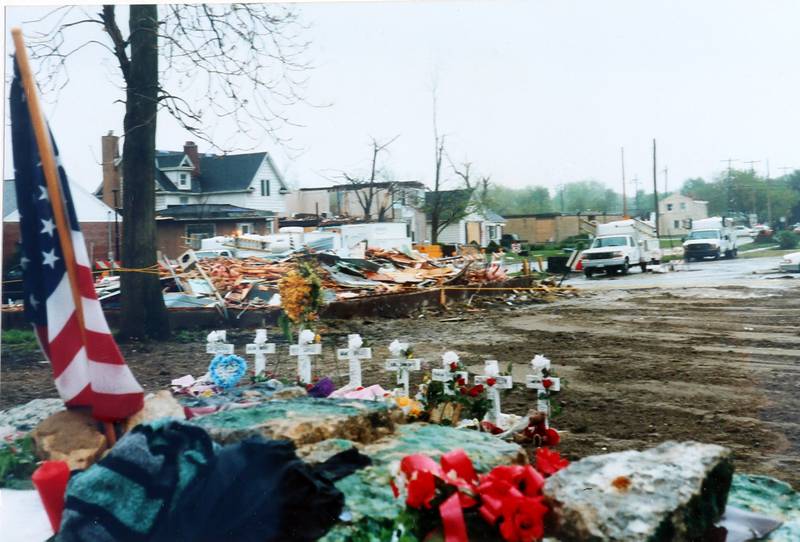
[143,313]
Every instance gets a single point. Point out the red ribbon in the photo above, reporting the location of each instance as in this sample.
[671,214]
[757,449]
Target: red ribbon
[455,530]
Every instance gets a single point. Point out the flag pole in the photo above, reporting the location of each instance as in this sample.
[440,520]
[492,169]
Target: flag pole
[50,171]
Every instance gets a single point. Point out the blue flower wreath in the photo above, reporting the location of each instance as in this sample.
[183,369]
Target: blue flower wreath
[226,371]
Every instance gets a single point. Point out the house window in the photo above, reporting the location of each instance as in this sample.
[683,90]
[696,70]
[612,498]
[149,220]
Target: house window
[265,187]
[183,200]
[683,206]
[245,228]
[491,231]
[669,206]
[197,232]
[183,180]
[676,224]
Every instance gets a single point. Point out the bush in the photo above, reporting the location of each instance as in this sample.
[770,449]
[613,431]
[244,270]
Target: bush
[787,239]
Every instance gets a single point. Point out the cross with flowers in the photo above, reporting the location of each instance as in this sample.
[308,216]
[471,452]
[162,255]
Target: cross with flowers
[494,382]
[354,353]
[260,348]
[304,349]
[541,381]
[449,371]
[215,343]
[402,364]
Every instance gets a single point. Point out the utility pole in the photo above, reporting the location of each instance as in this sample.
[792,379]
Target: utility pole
[755,187]
[655,185]
[624,195]
[635,183]
[728,183]
[666,178]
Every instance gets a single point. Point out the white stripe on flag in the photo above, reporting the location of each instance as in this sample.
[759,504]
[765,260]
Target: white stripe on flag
[79,246]
[93,317]
[110,378]
[60,308]
[74,378]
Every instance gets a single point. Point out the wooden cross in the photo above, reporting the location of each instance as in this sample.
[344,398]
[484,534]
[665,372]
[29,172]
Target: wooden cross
[402,365]
[304,349]
[494,382]
[260,348]
[216,343]
[354,354]
[445,374]
[542,382]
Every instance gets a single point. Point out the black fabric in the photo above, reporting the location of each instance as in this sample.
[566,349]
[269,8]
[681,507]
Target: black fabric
[257,490]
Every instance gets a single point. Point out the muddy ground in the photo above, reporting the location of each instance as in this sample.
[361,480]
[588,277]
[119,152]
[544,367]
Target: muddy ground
[639,366]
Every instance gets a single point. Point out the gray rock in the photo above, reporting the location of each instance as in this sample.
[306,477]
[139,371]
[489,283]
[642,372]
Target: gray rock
[673,492]
[22,419]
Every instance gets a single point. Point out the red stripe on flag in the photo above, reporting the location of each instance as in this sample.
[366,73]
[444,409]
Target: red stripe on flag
[102,348]
[66,345]
[84,399]
[86,282]
[109,407]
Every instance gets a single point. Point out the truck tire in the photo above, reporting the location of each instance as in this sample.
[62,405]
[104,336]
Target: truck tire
[716,256]
[625,267]
[735,252]
[588,273]
[643,267]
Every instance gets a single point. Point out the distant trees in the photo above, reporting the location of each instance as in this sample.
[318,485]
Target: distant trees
[369,190]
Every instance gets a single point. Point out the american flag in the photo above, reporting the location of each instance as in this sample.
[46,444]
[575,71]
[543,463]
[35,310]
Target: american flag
[88,368]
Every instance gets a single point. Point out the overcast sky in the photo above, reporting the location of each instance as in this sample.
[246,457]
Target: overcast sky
[531,92]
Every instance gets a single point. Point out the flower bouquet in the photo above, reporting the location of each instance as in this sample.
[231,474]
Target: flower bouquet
[450,501]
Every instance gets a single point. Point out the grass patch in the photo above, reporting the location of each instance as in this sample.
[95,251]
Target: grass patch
[22,338]
[766,253]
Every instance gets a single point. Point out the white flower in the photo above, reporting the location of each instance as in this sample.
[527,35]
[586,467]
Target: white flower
[449,357]
[354,341]
[540,363]
[306,337]
[216,336]
[397,348]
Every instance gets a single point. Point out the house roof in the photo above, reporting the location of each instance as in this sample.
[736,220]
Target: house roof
[210,211]
[493,217]
[218,173]
[87,206]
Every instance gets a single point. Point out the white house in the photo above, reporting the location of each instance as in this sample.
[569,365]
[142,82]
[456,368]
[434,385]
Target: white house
[481,226]
[676,212]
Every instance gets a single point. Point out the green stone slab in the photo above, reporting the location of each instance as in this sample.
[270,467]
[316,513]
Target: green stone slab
[368,496]
[303,420]
[769,497]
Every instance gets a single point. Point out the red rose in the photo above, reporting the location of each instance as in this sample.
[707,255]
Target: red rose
[461,381]
[309,386]
[523,519]
[479,388]
[453,366]
[547,383]
[491,381]
[548,461]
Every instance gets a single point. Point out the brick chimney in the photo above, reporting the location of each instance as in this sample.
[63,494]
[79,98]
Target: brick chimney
[190,150]
[111,169]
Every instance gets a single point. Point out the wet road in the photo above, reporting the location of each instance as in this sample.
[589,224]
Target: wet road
[750,272]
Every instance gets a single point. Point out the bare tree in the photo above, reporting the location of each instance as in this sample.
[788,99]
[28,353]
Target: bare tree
[237,63]
[367,190]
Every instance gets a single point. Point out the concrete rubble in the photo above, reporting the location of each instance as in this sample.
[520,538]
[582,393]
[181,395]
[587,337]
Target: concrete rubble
[673,492]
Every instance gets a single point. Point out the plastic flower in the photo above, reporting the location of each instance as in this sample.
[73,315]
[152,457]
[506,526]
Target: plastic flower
[548,461]
[523,519]
[540,363]
[306,337]
[354,341]
[450,357]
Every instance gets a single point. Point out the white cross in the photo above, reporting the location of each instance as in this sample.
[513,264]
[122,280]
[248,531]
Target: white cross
[304,349]
[494,382]
[354,354]
[542,382]
[216,343]
[402,365]
[445,374]
[260,348]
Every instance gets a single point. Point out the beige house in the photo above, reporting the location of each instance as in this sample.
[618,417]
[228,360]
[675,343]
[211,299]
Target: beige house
[676,212]
[541,228]
[396,201]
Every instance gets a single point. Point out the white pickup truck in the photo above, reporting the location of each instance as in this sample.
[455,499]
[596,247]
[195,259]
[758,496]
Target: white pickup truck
[713,237]
[619,245]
